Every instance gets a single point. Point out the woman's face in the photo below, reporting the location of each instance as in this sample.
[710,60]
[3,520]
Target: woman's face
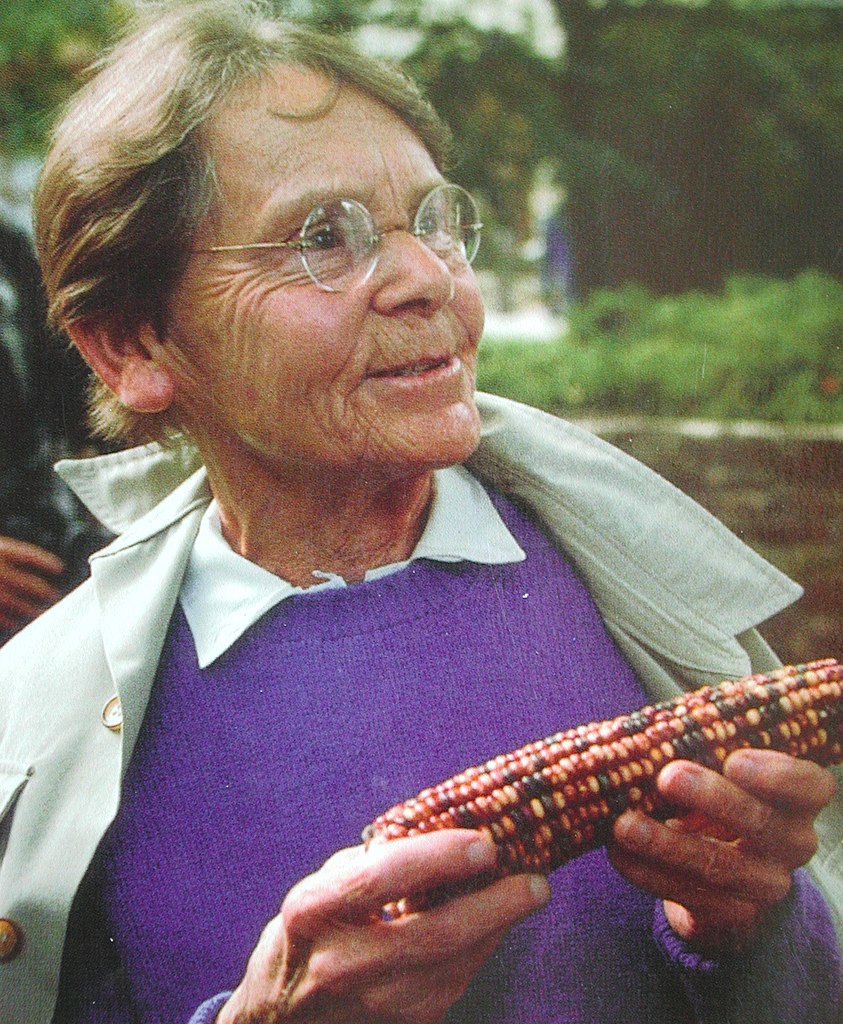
[377,378]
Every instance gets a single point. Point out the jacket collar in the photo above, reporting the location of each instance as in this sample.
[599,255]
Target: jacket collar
[122,488]
[659,566]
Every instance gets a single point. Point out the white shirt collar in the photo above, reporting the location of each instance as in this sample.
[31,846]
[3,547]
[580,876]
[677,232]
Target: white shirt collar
[223,594]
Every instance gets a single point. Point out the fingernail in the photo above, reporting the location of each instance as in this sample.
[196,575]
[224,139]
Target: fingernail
[746,764]
[539,889]
[680,779]
[483,853]
[634,830]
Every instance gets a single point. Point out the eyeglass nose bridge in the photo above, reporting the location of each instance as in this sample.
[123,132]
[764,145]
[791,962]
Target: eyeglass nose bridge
[418,237]
[417,234]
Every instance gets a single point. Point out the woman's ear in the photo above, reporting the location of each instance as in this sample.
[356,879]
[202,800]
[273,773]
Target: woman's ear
[127,360]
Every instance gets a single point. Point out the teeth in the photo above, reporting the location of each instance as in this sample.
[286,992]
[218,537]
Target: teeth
[414,371]
[417,368]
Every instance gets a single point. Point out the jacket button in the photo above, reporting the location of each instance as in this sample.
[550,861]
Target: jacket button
[112,714]
[10,940]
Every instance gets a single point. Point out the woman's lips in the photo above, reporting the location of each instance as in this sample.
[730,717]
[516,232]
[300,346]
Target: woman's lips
[441,381]
[414,369]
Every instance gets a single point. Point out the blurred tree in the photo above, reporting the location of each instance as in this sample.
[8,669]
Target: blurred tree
[710,138]
[694,138]
[478,80]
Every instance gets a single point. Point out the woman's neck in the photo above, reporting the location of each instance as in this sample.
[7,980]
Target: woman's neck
[298,520]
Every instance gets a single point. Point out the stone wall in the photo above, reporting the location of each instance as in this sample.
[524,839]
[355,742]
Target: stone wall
[780,489]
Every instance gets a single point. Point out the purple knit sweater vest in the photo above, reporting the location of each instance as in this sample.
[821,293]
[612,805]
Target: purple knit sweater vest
[247,775]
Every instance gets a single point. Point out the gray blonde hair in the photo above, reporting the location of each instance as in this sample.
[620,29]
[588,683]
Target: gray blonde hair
[126,180]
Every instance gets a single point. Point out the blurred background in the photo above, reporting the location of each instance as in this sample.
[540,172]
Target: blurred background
[661,184]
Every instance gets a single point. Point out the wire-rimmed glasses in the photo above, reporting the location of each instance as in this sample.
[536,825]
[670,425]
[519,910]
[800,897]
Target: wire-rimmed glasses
[338,242]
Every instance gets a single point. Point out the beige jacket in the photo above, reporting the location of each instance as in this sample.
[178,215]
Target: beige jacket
[679,593]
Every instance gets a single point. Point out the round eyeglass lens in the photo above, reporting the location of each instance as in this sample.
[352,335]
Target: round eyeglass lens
[338,244]
[448,221]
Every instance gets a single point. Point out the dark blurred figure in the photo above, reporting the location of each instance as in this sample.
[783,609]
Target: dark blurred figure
[557,271]
[45,537]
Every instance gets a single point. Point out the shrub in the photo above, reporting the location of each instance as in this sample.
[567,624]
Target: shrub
[761,349]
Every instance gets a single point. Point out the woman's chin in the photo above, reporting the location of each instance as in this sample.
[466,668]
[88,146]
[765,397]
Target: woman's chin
[444,438]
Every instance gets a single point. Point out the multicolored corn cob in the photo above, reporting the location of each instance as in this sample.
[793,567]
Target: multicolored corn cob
[556,798]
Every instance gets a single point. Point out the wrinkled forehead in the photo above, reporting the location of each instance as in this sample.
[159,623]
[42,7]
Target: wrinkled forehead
[289,92]
[303,127]
[263,116]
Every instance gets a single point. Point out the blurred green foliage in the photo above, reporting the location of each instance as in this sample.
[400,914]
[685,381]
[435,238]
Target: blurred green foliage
[44,46]
[760,349]
[693,138]
[501,100]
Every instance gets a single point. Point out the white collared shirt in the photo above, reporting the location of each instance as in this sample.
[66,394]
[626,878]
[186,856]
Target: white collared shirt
[223,593]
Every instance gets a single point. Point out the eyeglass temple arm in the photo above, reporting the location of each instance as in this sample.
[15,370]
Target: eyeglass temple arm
[299,244]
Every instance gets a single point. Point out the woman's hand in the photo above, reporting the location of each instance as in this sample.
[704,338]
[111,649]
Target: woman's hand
[27,575]
[722,866]
[328,957]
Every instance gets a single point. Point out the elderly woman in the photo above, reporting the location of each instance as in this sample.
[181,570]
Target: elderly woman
[340,576]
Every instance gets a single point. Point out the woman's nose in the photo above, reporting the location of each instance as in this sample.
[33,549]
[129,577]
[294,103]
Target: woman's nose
[409,276]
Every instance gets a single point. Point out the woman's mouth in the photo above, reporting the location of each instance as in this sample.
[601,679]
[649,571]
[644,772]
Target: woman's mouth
[414,369]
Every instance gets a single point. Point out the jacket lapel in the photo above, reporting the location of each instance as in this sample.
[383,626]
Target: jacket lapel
[137,580]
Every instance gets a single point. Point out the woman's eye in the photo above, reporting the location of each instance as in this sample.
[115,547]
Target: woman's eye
[427,226]
[322,236]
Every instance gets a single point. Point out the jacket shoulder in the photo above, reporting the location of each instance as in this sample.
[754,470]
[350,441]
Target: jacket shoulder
[662,569]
